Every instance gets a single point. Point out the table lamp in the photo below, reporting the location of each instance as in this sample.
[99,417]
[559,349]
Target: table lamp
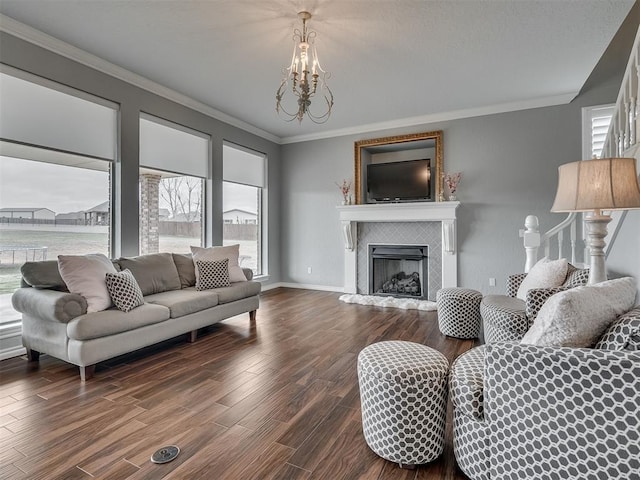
[593,186]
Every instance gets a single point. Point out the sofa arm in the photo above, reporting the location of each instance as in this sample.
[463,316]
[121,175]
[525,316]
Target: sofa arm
[49,305]
[466,383]
[536,297]
[562,412]
[248,273]
[513,283]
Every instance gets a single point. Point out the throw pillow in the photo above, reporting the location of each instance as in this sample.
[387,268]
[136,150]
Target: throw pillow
[578,317]
[85,275]
[124,290]
[232,252]
[544,274]
[212,274]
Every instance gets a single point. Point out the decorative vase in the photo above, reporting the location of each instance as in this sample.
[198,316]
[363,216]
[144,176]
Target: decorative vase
[452,197]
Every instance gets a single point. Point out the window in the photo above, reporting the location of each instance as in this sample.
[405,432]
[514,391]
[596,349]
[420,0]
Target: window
[243,191]
[173,162]
[596,121]
[57,147]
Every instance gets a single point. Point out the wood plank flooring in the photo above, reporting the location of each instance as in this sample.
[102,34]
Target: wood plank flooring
[277,399]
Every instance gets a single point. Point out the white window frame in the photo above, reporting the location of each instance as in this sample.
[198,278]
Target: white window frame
[264,209]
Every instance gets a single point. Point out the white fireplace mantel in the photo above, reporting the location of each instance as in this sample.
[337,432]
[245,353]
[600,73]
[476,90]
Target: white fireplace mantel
[443,212]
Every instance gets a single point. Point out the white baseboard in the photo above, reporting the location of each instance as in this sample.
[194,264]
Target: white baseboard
[12,352]
[303,286]
[11,340]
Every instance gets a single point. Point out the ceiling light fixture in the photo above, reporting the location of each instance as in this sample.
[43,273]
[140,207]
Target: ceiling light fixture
[306,76]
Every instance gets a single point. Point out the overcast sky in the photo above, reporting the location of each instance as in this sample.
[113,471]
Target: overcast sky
[69,189]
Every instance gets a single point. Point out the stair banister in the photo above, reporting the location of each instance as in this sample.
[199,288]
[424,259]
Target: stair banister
[533,240]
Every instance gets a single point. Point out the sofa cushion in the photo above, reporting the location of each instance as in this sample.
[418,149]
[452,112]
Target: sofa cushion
[124,290]
[232,252]
[185,301]
[186,269]
[237,291]
[43,275]
[507,313]
[85,275]
[113,321]
[212,274]
[623,333]
[579,316]
[544,274]
[154,273]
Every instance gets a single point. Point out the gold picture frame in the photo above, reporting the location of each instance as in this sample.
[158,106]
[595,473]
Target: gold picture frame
[397,143]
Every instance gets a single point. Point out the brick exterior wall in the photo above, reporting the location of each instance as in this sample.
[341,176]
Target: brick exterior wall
[149,213]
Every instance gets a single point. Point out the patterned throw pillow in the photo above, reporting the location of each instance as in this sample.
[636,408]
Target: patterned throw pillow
[212,274]
[124,290]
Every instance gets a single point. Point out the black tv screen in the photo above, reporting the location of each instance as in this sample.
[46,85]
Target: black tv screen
[399,181]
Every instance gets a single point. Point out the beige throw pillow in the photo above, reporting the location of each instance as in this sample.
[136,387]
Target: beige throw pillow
[578,317]
[85,275]
[544,274]
[232,252]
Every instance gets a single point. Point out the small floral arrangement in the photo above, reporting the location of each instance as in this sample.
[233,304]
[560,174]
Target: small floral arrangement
[345,188]
[452,180]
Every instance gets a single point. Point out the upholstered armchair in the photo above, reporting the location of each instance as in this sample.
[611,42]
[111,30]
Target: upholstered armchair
[506,318]
[524,411]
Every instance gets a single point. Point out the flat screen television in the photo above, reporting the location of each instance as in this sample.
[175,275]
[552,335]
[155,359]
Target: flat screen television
[408,181]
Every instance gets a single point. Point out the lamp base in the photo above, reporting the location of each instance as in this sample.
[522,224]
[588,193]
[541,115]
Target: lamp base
[596,224]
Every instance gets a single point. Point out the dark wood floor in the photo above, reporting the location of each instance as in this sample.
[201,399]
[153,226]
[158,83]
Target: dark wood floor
[276,400]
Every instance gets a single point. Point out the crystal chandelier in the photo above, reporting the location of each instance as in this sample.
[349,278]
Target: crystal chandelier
[306,77]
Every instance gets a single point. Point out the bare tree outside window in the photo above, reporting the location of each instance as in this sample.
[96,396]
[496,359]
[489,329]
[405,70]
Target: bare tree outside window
[182,196]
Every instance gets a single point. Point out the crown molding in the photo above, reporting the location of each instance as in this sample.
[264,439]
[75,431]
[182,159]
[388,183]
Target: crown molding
[436,117]
[41,39]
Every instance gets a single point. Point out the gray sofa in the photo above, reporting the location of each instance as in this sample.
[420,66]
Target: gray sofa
[56,322]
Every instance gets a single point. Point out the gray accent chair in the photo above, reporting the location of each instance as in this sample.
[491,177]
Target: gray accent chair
[506,318]
[522,411]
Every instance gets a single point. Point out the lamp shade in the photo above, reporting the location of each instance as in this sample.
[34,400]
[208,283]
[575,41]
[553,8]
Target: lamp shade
[599,184]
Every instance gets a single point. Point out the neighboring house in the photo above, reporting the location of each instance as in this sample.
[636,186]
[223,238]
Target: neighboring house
[183,217]
[28,213]
[98,215]
[70,217]
[164,214]
[239,216]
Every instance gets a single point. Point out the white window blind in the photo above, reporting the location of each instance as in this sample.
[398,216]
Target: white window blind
[243,166]
[600,121]
[173,148]
[39,115]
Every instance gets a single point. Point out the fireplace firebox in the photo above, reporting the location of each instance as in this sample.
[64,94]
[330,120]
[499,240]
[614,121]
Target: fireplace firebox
[399,270]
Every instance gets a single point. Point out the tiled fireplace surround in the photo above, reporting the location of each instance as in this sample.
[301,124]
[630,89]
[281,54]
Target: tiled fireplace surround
[432,224]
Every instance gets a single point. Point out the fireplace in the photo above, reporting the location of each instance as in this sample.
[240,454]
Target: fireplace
[399,270]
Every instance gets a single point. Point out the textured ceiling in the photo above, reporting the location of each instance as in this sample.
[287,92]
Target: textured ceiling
[389,60]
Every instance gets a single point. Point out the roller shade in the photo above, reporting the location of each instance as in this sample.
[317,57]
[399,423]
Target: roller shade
[39,115]
[173,148]
[243,166]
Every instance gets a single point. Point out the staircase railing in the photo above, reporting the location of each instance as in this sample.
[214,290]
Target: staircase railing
[625,125]
[533,240]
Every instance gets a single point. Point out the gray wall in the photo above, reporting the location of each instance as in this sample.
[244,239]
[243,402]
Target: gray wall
[509,163]
[624,257]
[133,100]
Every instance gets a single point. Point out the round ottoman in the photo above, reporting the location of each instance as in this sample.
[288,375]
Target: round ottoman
[459,312]
[403,390]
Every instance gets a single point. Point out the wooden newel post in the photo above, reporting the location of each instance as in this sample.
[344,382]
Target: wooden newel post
[531,240]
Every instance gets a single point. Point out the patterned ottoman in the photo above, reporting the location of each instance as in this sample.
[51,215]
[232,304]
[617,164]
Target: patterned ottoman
[403,390]
[459,312]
